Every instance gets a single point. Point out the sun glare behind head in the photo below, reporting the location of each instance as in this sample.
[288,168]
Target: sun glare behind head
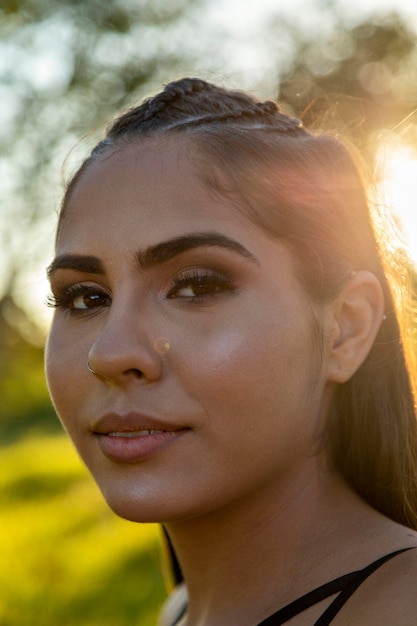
[398,188]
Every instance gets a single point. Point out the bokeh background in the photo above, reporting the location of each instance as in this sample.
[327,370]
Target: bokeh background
[66,67]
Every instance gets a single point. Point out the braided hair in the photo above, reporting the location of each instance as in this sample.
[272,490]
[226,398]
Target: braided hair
[193,103]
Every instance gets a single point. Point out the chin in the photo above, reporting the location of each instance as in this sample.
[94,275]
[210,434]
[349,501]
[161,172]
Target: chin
[141,509]
[154,510]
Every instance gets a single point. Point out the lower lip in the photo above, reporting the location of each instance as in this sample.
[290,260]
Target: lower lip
[135,449]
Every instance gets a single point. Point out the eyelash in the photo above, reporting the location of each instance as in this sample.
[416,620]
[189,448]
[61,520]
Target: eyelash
[208,282]
[64,298]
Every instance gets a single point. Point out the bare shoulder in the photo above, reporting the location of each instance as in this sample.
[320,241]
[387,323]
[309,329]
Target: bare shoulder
[388,596]
[173,606]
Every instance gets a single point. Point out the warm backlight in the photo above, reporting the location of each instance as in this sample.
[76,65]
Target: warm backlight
[399,182]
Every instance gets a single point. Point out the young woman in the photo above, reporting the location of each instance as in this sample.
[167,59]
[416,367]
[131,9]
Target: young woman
[230,355]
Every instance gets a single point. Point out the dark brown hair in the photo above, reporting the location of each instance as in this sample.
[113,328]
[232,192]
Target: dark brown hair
[307,191]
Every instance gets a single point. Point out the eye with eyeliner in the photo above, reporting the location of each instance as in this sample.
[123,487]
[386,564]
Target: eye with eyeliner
[79,298]
[192,286]
[199,285]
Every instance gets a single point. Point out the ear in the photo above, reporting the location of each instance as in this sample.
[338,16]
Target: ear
[356,316]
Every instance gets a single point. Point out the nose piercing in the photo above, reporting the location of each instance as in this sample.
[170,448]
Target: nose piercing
[90,369]
[161,345]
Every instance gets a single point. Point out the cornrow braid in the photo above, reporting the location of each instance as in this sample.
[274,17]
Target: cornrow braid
[153,106]
[279,122]
[192,102]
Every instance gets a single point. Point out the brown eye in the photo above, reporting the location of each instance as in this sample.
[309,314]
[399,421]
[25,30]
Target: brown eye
[89,301]
[79,298]
[199,285]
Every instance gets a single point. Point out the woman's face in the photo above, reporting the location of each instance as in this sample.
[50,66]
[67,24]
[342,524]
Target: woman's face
[208,383]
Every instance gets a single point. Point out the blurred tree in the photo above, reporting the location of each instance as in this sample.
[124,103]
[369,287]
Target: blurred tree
[358,78]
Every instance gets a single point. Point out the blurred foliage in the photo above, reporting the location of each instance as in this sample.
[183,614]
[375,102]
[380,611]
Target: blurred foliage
[66,559]
[25,404]
[358,78]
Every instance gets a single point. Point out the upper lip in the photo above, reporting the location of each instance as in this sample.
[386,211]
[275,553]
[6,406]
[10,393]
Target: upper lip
[131,422]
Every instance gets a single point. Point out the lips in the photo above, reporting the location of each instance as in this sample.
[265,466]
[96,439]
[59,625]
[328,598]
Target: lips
[133,437]
[136,433]
[132,422]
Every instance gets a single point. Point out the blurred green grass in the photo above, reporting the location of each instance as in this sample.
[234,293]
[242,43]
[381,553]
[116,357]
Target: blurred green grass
[65,557]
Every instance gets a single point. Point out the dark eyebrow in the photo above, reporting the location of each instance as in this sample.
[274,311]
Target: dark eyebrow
[154,255]
[78,262]
[165,251]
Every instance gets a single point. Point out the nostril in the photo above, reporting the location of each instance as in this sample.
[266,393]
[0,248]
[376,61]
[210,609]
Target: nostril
[135,372]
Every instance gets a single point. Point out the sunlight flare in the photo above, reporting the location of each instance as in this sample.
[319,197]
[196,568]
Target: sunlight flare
[399,180]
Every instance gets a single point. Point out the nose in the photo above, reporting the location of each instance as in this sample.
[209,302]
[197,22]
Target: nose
[124,351]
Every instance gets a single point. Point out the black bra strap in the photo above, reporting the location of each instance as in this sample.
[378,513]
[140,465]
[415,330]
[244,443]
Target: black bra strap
[346,585]
[344,596]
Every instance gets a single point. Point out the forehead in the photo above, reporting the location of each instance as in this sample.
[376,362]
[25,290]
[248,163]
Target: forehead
[130,168]
[149,190]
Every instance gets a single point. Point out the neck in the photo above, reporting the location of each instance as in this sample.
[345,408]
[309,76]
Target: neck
[275,535]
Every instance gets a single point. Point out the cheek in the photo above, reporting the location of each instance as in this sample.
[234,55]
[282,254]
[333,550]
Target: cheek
[251,362]
[63,369]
